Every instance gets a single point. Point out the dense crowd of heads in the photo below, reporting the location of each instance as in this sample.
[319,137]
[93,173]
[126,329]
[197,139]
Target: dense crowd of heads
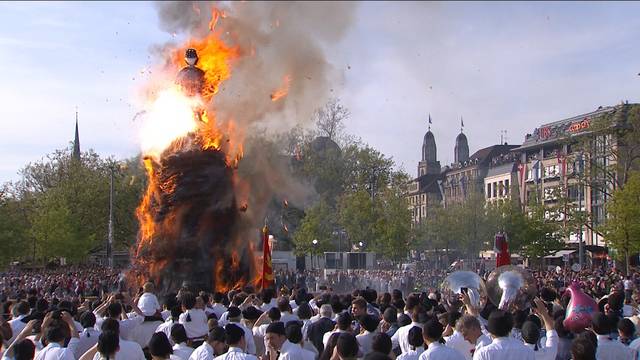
[83,313]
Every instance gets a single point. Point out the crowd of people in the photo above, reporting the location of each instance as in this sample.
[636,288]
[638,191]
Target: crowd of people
[347,280]
[82,313]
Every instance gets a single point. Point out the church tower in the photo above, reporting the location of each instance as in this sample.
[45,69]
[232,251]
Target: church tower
[429,163]
[461,151]
[76,141]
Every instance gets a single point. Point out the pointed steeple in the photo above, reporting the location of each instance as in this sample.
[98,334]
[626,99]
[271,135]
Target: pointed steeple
[429,163]
[76,141]
[461,150]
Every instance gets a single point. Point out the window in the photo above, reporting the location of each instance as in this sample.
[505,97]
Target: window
[489,190]
[495,190]
[506,187]
[550,193]
[551,171]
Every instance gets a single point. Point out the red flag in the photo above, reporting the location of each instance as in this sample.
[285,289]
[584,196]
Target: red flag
[502,249]
[267,270]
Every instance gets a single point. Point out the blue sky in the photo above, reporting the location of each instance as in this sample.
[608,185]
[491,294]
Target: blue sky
[499,65]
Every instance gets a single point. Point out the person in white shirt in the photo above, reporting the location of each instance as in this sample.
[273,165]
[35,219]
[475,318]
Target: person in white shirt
[416,343]
[169,301]
[626,335]
[583,347]
[268,300]
[628,287]
[293,331]
[89,335]
[503,347]
[608,349]
[531,334]
[22,346]
[106,348]
[160,348]
[114,309]
[277,343]
[127,350]
[22,310]
[56,329]
[214,346]
[471,330]
[343,324]
[235,316]
[194,320]
[401,337]
[218,308]
[179,338]
[166,326]
[148,301]
[235,339]
[369,323]
[286,313]
[432,334]
[260,328]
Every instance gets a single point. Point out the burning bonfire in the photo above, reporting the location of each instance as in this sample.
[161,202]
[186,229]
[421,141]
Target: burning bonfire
[190,217]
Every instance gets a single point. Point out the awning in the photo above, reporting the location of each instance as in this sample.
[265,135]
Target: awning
[560,253]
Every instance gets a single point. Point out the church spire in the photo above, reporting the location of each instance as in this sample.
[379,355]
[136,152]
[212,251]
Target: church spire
[76,140]
[461,150]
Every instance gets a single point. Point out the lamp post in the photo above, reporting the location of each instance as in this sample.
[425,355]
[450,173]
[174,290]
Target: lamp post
[315,249]
[360,246]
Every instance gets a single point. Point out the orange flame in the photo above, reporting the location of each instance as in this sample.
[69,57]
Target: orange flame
[177,115]
[216,14]
[283,90]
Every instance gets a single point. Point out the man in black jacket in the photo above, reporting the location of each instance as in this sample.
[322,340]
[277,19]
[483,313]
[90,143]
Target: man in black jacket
[317,329]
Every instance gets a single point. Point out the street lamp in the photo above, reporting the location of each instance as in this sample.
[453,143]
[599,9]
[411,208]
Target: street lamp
[360,246]
[116,165]
[315,249]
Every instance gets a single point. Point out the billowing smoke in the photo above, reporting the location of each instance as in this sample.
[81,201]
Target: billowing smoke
[204,213]
[277,40]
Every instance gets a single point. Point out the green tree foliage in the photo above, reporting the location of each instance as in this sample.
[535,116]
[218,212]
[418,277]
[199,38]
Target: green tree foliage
[14,228]
[622,229]
[358,216]
[393,225]
[356,185]
[318,224]
[60,206]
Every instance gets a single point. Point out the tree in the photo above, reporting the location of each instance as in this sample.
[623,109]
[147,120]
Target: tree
[357,215]
[330,119]
[541,234]
[366,169]
[622,229]
[394,222]
[475,227]
[60,205]
[14,228]
[318,224]
[603,158]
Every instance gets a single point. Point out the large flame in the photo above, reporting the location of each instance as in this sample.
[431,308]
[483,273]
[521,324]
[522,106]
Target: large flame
[175,124]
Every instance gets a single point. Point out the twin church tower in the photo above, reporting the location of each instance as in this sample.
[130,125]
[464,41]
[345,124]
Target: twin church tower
[429,165]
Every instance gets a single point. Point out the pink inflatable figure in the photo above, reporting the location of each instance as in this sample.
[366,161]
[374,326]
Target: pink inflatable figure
[580,309]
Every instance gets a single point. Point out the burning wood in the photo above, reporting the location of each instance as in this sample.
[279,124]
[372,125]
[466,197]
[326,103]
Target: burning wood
[282,91]
[189,217]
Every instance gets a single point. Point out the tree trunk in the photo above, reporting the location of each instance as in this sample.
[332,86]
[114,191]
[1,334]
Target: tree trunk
[626,262]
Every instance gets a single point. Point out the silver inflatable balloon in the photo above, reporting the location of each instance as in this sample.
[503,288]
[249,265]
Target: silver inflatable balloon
[474,284]
[511,287]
